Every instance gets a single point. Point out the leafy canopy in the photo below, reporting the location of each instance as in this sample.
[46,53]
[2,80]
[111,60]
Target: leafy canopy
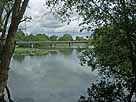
[114,41]
[110,57]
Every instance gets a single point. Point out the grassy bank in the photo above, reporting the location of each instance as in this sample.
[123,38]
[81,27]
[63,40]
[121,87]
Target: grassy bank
[30,51]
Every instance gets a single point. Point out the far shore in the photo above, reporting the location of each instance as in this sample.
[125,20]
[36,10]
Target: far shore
[30,51]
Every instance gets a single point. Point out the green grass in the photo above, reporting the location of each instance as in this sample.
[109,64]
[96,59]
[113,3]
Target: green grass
[30,51]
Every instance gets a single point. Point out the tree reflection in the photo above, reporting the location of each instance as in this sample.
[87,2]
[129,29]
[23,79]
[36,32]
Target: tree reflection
[19,58]
[66,52]
[79,50]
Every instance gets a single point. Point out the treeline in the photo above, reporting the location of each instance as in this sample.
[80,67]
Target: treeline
[21,36]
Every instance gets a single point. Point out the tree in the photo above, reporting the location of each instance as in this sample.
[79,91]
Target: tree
[53,38]
[66,37]
[16,11]
[20,36]
[110,57]
[78,38]
[41,37]
[120,14]
[30,37]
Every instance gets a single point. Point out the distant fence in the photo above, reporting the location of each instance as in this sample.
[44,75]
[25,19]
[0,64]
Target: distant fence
[36,42]
[51,44]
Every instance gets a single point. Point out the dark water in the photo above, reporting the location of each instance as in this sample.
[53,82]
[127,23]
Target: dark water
[56,77]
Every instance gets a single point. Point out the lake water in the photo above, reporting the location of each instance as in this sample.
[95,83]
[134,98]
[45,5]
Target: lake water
[56,77]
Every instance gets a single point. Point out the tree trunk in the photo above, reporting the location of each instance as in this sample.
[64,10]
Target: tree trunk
[5,61]
[18,10]
[1,12]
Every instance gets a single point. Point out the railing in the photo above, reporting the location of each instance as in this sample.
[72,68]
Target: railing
[36,42]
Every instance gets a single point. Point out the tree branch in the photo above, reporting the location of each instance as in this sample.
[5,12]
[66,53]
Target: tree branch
[105,12]
[9,94]
[5,24]
[28,19]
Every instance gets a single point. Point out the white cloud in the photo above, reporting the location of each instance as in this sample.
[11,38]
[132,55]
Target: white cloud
[44,22]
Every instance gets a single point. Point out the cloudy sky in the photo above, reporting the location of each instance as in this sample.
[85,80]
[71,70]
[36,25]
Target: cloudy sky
[44,22]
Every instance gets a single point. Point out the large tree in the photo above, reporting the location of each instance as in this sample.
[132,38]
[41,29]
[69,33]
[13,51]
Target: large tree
[120,14]
[110,57]
[53,38]
[16,9]
[65,37]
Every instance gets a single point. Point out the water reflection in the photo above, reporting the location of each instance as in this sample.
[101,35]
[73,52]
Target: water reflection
[53,52]
[66,51]
[79,50]
[51,78]
[19,58]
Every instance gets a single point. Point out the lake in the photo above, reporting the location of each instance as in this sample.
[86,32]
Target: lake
[55,77]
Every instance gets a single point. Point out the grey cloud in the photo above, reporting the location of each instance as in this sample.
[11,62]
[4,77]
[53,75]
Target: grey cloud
[42,23]
[51,25]
[49,21]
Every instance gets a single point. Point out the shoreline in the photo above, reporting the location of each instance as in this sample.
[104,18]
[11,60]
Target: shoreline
[30,51]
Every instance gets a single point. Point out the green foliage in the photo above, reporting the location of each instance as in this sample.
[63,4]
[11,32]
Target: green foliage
[110,57]
[109,50]
[2,2]
[114,41]
[20,36]
[53,38]
[30,37]
[30,51]
[78,38]
[41,37]
[105,92]
[66,37]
